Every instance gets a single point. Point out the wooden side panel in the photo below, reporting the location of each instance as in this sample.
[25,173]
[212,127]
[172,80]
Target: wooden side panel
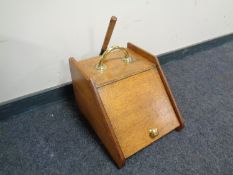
[135,105]
[142,52]
[89,104]
[172,99]
[154,59]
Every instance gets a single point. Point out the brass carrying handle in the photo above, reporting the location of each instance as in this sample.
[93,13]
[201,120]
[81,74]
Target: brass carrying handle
[127,59]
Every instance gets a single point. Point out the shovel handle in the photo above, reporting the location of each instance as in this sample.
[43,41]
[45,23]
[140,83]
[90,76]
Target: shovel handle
[108,34]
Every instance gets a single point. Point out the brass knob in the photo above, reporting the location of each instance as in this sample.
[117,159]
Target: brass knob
[153,132]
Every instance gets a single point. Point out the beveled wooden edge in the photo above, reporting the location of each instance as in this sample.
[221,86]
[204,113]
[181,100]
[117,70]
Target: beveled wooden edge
[76,62]
[142,52]
[170,95]
[155,60]
[120,159]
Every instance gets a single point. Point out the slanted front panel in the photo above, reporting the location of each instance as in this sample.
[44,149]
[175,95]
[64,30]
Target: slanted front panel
[135,105]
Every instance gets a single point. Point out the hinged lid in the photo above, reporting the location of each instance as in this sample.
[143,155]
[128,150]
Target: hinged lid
[116,70]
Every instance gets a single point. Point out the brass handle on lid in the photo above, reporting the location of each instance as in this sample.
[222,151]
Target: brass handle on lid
[126,59]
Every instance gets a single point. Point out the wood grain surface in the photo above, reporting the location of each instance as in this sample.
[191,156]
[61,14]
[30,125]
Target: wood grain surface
[89,105]
[124,102]
[135,105]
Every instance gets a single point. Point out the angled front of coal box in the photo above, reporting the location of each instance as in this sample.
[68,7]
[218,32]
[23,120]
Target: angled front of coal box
[129,105]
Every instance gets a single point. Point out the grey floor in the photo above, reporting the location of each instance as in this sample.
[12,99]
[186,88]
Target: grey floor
[54,138]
